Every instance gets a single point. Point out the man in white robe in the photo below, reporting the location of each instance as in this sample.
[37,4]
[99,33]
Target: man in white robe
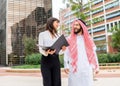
[80,57]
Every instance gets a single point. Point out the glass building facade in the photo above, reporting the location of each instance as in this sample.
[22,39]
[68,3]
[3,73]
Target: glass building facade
[22,17]
[2,32]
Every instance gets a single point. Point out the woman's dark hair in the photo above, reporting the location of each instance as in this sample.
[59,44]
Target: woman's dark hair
[49,25]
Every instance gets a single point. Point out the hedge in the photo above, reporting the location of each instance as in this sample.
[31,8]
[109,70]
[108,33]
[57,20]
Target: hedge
[109,58]
[35,59]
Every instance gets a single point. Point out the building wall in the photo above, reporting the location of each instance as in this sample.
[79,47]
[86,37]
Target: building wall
[109,10]
[16,11]
[66,18]
[2,32]
[105,14]
[23,17]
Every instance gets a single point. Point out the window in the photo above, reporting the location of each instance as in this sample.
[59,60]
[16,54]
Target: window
[89,31]
[111,25]
[112,15]
[108,27]
[115,24]
[100,38]
[119,24]
[97,2]
[111,5]
[98,10]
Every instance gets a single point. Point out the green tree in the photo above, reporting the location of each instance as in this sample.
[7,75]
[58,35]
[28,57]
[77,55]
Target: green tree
[29,45]
[115,37]
[78,7]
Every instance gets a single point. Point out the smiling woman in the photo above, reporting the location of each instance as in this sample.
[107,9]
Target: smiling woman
[50,64]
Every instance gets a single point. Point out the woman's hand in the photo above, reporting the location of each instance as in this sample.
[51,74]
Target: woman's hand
[51,52]
[66,70]
[63,48]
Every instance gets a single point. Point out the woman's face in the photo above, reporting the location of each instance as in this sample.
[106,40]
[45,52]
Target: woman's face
[55,24]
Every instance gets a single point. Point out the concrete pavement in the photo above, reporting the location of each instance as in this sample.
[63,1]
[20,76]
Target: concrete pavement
[18,78]
[107,82]
[37,81]
[19,81]
[24,81]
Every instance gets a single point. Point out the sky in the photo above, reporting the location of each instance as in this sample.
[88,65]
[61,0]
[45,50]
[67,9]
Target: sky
[56,5]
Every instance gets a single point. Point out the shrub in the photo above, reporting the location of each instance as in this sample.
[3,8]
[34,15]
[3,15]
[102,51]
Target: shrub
[116,57]
[109,58]
[102,58]
[33,59]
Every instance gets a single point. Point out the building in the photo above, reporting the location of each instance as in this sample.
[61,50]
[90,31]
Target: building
[18,18]
[104,15]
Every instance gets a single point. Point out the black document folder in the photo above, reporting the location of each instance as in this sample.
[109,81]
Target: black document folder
[61,41]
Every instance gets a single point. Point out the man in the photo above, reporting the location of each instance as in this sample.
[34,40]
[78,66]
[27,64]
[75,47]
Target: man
[80,57]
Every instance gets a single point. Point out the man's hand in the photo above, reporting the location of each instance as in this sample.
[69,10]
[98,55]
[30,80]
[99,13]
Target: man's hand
[66,71]
[96,72]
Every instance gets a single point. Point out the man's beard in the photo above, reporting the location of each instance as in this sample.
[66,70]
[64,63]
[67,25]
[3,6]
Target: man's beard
[78,31]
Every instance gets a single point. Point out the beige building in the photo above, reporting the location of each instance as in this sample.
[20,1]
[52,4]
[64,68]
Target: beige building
[102,20]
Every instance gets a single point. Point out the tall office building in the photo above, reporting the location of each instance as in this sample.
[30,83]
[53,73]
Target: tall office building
[18,18]
[104,15]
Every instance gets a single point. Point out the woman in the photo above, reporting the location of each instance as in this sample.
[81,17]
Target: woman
[50,64]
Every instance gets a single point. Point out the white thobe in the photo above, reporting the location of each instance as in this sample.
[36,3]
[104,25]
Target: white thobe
[84,74]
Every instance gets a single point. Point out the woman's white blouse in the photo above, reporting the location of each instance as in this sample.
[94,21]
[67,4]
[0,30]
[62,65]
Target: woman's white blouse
[45,39]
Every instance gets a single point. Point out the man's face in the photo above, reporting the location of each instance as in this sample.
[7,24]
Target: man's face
[77,28]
